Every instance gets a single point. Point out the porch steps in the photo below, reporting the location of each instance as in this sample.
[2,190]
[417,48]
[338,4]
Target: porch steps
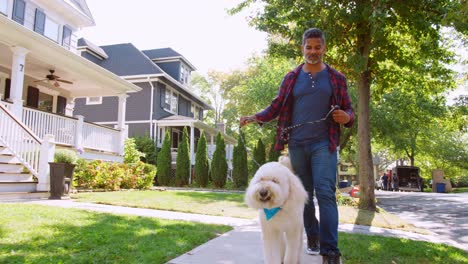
[13,178]
[15,196]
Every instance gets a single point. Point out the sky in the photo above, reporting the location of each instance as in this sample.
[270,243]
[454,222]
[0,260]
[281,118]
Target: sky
[200,30]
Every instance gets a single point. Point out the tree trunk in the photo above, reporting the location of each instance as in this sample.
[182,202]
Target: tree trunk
[366,172]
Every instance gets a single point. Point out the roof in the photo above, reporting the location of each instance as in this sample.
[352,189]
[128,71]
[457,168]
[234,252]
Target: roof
[81,6]
[84,43]
[125,59]
[164,54]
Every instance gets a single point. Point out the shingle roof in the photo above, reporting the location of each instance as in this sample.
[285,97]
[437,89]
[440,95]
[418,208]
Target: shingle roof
[125,59]
[84,43]
[161,53]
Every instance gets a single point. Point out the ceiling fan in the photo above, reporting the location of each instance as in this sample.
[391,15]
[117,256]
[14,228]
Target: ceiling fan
[53,77]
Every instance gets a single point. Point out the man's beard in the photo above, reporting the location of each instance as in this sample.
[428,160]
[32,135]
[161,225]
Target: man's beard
[315,60]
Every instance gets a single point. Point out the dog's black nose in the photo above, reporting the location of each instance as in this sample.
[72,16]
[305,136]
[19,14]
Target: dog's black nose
[263,193]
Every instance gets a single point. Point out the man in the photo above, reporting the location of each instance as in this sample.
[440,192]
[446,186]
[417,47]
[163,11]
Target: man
[307,94]
[385,181]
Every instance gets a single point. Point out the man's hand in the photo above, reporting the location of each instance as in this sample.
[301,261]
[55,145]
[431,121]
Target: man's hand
[244,120]
[340,116]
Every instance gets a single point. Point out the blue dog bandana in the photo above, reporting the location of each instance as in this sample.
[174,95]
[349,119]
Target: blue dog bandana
[269,213]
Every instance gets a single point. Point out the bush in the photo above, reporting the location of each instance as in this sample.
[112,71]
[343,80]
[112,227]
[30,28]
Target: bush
[219,165]
[460,181]
[273,155]
[201,162]
[240,170]
[65,156]
[147,146]
[131,154]
[183,161]
[164,163]
[259,154]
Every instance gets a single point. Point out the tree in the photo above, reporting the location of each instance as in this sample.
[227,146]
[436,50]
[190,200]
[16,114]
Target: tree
[219,165]
[183,161]
[201,162]
[240,170]
[164,162]
[273,155]
[259,155]
[131,153]
[362,36]
[146,145]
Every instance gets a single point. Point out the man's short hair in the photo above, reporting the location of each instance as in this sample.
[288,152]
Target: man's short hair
[313,33]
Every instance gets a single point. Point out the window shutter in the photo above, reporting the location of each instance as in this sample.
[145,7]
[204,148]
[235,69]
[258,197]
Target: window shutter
[33,97]
[7,88]
[61,105]
[19,7]
[39,22]
[66,37]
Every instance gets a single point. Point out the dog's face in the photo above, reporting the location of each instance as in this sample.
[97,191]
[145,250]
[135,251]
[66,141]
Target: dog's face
[269,187]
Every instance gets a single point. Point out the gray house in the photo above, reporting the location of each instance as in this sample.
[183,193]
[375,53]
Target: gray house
[166,101]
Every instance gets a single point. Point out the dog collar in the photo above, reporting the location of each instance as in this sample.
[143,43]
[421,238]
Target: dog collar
[269,213]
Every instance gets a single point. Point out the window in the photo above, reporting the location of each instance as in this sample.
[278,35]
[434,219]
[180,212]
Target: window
[45,102]
[94,100]
[171,101]
[184,74]
[3,7]
[51,29]
[66,37]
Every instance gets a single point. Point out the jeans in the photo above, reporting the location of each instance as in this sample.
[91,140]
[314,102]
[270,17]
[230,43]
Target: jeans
[317,167]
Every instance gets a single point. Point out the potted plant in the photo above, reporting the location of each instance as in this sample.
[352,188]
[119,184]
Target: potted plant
[61,172]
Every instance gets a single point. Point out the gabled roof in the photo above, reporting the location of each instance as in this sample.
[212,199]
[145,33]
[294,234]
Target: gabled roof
[82,7]
[125,59]
[166,54]
[86,44]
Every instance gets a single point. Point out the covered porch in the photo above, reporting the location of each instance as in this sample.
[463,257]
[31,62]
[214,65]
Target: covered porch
[39,81]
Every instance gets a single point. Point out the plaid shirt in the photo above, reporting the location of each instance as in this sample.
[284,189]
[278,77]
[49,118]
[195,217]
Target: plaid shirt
[282,106]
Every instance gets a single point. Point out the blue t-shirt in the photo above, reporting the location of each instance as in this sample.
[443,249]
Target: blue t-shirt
[312,100]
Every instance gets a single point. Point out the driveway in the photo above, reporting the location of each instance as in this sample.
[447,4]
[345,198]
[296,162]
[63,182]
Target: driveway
[442,213]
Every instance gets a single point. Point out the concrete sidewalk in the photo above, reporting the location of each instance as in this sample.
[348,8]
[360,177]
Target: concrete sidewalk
[241,245]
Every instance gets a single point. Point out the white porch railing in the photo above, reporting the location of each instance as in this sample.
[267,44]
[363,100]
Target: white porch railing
[73,132]
[20,141]
[101,138]
[6,104]
[42,123]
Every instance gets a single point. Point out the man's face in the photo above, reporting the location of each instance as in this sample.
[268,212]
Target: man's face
[313,50]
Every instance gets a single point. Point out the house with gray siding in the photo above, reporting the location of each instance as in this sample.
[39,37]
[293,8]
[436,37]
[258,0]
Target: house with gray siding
[166,101]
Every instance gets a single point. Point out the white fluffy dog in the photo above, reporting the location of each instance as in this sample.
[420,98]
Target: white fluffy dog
[280,197]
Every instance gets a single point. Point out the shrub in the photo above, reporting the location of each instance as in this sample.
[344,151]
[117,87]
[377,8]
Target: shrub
[183,161]
[201,162]
[259,154]
[219,165]
[240,168]
[460,181]
[65,156]
[273,155]
[147,146]
[131,154]
[164,162]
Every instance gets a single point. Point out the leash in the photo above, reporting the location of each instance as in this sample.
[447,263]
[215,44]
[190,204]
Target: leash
[285,130]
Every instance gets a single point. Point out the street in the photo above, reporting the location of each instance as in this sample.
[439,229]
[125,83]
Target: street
[442,213]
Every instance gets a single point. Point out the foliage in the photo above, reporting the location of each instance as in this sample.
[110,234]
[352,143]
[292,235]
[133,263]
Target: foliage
[259,155]
[219,167]
[273,155]
[65,156]
[164,163]
[131,153]
[240,170]
[147,146]
[460,181]
[378,45]
[98,174]
[183,161]
[201,162]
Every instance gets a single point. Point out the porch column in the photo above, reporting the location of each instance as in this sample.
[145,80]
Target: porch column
[192,149]
[122,110]
[121,122]
[46,156]
[17,80]
[70,107]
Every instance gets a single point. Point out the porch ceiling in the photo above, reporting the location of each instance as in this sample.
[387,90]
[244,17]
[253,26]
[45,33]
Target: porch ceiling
[195,123]
[44,54]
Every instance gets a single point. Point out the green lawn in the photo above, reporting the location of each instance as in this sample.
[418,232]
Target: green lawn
[42,234]
[460,190]
[227,204]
